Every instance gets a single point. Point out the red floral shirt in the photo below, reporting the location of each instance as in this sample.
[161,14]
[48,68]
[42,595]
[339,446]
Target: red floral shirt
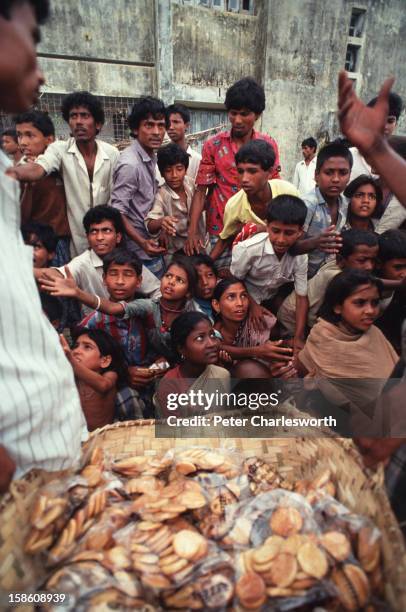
[218,170]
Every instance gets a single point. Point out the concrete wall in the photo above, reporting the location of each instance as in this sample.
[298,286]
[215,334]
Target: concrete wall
[183,52]
[103,46]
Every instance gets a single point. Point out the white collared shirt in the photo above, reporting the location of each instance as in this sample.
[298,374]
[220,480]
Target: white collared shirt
[87,270]
[41,420]
[254,262]
[303,179]
[81,194]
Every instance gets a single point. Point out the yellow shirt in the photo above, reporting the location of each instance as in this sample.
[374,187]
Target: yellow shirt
[238,209]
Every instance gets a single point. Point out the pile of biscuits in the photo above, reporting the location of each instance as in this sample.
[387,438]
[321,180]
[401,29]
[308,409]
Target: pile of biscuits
[201,529]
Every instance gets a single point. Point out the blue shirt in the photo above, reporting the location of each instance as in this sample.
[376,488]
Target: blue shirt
[318,219]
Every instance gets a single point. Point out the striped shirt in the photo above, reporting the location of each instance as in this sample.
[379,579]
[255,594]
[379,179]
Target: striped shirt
[41,420]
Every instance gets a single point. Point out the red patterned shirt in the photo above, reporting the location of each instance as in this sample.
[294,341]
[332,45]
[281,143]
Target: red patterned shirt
[218,170]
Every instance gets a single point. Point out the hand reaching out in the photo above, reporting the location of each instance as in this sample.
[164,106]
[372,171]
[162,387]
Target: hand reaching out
[59,286]
[362,125]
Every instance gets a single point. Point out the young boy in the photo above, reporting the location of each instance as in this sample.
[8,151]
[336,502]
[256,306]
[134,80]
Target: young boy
[326,206]
[206,281]
[264,263]
[9,144]
[392,267]
[359,251]
[43,201]
[255,165]
[179,122]
[169,215]
[104,230]
[44,240]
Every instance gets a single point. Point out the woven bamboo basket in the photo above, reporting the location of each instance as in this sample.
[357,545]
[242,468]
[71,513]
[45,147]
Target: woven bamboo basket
[294,457]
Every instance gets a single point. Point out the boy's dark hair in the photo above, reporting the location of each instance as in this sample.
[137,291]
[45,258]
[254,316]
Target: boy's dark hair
[184,262]
[107,345]
[180,109]
[287,209]
[182,326]
[85,99]
[43,232]
[101,213]
[341,287]
[245,93]
[171,154]
[395,104]
[352,238]
[392,245]
[364,179]
[256,152]
[144,108]
[40,120]
[333,149]
[204,259]
[11,132]
[309,142]
[123,257]
[41,8]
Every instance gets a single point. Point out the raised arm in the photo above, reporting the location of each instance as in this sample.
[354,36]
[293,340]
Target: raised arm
[66,287]
[364,127]
[102,383]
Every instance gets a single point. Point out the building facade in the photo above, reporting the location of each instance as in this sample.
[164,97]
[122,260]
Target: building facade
[192,50]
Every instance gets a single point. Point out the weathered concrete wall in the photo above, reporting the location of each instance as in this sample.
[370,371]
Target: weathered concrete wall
[306,48]
[106,47]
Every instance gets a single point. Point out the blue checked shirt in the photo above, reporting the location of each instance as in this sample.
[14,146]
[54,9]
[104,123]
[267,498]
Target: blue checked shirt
[318,219]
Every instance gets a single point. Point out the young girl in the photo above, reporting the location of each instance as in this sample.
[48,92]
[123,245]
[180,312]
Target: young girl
[98,363]
[196,346]
[345,344]
[177,287]
[365,206]
[251,351]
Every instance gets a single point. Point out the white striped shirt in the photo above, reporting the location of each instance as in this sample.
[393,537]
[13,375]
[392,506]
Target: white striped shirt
[41,420]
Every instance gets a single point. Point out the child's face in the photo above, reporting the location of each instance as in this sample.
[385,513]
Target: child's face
[32,142]
[394,269]
[201,346]
[41,256]
[9,145]
[362,258]
[308,152]
[359,310]
[207,280]
[174,283]
[233,304]
[177,127]
[122,282]
[283,236]
[252,177]
[86,352]
[363,202]
[333,176]
[174,176]
[103,238]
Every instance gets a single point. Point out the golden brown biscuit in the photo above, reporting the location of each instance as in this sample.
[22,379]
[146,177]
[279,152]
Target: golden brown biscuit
[312,560]
[282,571]
[337,544]
[286,521]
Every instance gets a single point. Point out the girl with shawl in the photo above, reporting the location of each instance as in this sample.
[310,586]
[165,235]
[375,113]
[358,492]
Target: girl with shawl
[347,355]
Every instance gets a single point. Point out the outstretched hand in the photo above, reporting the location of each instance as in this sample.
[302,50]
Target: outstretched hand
[362,125]
[59,286]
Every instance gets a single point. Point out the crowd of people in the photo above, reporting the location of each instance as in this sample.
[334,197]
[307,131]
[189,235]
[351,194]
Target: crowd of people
[161,268]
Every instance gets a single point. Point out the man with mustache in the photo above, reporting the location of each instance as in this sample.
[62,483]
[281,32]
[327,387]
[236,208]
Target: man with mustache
[85,162]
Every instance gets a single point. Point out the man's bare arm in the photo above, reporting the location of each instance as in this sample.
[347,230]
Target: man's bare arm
[146,244]
[26,172]
[194,243]
[364,128]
